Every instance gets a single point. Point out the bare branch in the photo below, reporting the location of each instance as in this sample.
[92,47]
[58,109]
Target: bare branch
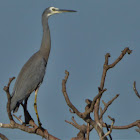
[6,89]
[108,130]
[88,101]
[126,50]
[39,131]
[66,96]
[88,130]
[107,105]
[3,137]
[94,101]
[82,128]
[94,105]
[85,116]
[18,118]
[71,111]
[135,90]
[106,67]
[111,127]
[138,130]
[136,123]
[75,124]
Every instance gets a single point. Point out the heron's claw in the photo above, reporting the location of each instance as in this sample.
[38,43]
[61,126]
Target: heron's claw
[39,127]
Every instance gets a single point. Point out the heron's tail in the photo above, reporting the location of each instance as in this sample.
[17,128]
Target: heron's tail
[14,105]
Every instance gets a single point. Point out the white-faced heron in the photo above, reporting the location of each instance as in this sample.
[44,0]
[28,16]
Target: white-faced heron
[33,71]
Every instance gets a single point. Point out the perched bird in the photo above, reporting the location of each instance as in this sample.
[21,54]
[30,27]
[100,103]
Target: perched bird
[32,73]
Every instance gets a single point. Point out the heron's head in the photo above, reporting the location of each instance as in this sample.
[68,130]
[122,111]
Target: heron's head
[52,10]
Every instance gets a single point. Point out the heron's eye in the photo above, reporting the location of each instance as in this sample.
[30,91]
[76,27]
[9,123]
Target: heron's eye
[53,9]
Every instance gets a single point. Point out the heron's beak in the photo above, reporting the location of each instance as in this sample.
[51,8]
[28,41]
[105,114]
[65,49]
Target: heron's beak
[63,10]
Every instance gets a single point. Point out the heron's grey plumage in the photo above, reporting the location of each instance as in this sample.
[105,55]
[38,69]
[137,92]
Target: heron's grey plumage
[28,79]
[33,71]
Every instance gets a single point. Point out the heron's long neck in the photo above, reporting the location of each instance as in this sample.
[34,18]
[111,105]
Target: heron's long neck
[46,40]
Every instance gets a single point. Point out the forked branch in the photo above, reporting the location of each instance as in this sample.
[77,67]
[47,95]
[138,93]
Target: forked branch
[106,67]
[107,105]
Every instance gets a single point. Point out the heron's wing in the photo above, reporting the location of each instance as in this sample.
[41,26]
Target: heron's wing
[30,76]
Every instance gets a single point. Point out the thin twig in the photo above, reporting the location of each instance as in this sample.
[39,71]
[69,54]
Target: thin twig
[83,128]
[107,105]
[18,118]
[136,123]
[135,90]
[108,130]
[71,111]
[74,124]
[111,127]
[138,130]
[3,137]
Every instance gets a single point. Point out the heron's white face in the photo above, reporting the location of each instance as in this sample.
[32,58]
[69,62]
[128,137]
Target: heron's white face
[53,10]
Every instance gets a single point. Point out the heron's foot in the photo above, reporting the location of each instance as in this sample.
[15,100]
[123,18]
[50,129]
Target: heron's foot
[39,127]
[26,124]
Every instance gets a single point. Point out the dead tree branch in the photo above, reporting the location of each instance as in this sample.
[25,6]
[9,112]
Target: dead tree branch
[107,105]
[94,105]
[66,96]
[76,125]
[106,67]
[18,118]
[3,137]
[85,116]
[136,123]
[138,130]
[6,89]
[74,109]
[88,131]
[135,90]
[109,132]
[84,130]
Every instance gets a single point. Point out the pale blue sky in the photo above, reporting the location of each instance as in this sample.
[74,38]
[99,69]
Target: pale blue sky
[79,42]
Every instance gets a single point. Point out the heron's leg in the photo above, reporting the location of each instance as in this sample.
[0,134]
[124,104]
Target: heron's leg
[35,107]
[27,116]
